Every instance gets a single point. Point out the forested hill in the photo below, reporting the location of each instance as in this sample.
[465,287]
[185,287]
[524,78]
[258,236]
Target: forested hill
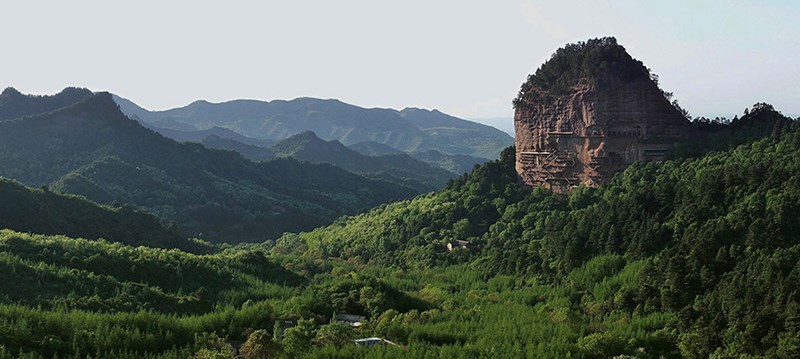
[459,164]
[592,59]
[715,241]
[694,257]
[408,130]
[453,134]
[200,135]
[14,104]
[251,152]
[41,211]
[396,168]
[93,149]
[372,148]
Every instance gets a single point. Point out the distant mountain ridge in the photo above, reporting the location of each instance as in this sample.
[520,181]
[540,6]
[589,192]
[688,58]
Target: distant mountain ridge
[200,135]
[505,124]
[91,148]
[372,148]
[251,152]
[408,130]
[458,164]
[14,104]
[397,168]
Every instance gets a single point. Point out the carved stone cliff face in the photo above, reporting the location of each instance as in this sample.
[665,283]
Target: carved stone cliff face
[593,132]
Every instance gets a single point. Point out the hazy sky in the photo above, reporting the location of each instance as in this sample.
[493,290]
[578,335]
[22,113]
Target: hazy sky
[466,58]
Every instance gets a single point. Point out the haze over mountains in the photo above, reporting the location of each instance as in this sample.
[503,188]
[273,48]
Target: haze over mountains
[422,171]
[439,140]
[398,168]
[409,130]
[264,150]
[91,148]
[80,142]
[688,247]
[505,124]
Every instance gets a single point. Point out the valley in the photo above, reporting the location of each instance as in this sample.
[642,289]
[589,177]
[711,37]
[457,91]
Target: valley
[613,225]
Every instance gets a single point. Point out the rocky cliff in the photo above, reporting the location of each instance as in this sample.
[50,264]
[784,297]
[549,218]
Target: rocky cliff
[588,113]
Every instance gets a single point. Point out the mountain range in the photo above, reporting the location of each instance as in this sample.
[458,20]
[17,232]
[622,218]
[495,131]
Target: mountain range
[397,168]
[421,171]
[425,163]
[693,252]
[692,257]
[92,149]
[408,130]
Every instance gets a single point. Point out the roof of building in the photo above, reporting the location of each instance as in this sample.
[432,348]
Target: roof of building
[364,340]
[350,317]
[376,340]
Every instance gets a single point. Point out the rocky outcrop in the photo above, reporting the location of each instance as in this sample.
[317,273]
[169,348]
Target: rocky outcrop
[592,131]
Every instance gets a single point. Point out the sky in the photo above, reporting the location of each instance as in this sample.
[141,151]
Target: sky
[466,58]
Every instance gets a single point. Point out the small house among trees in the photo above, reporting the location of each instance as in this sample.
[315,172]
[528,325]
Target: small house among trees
[457,244]
[352,319]
[371,342]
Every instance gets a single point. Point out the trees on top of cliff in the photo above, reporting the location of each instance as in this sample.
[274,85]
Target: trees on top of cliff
[585,59]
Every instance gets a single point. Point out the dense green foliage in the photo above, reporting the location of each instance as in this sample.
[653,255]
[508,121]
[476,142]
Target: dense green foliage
[66,273]
[460,164]
[92,149]
[572,63]
[250,152]
[692,257]
[45,212]
[76,298]
[718,236]
[722,134]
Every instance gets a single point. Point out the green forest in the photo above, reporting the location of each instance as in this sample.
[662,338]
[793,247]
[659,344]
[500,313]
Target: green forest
[694,257]
[90,148]
[578,61]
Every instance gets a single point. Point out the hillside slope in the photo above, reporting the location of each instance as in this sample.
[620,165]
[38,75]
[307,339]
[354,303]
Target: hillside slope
[92,149]
[715,238]
[251,152]
[460,164]
[397,168]
[200,135]
[14,104]
[41,211]
[694,257]
[372,148]
[453,134]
